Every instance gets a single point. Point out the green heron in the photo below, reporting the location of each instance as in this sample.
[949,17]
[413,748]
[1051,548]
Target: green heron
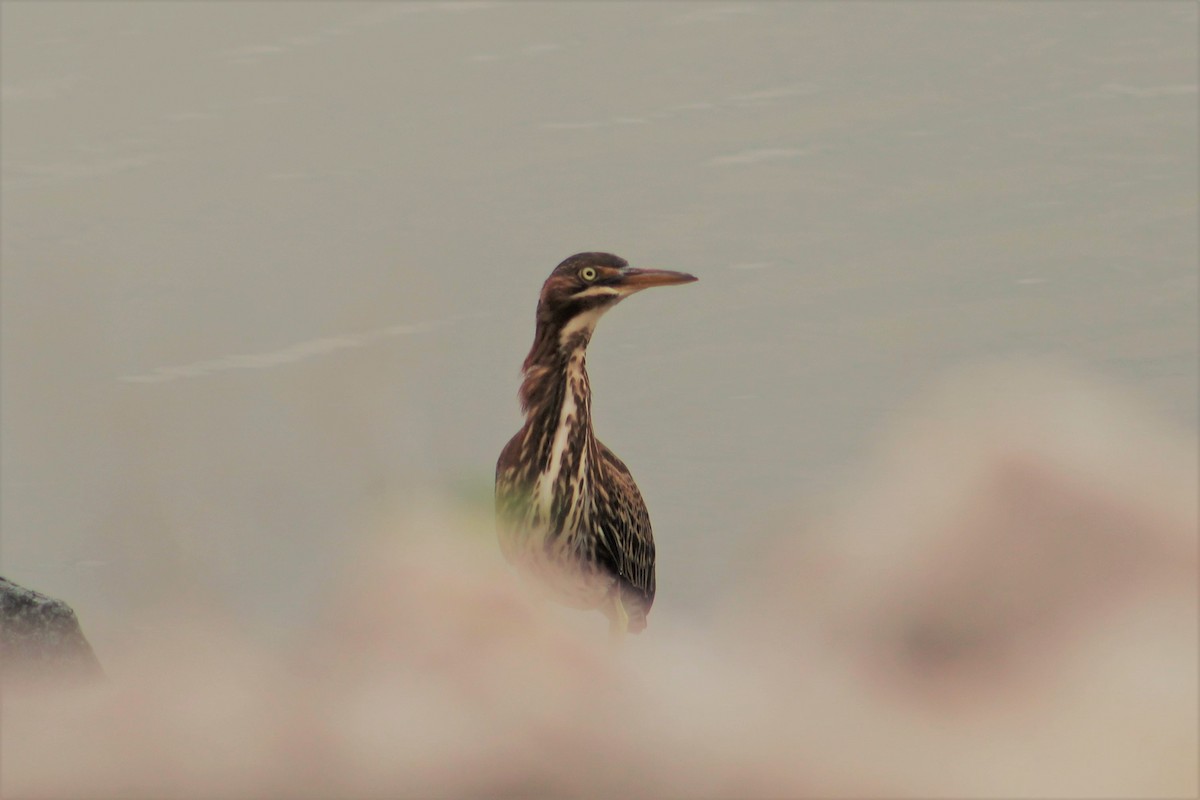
[568,512]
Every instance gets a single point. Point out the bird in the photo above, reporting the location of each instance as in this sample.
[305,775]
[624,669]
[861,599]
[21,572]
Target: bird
[569,515]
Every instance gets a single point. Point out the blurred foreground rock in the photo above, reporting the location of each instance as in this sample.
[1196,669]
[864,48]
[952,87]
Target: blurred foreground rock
[1005,606]
[40,638]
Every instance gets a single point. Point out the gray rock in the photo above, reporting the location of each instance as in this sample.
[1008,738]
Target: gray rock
[40,637]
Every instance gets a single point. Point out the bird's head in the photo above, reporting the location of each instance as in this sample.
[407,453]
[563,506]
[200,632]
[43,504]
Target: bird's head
[584,286]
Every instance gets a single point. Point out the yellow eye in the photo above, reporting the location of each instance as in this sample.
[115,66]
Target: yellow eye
[588,273]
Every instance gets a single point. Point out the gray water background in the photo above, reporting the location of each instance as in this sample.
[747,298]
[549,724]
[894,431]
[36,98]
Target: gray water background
[269,267]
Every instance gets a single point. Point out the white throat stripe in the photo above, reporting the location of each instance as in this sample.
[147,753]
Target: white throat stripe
[582,322]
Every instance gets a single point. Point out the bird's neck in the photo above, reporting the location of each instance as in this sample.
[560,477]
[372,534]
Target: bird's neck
[556,398]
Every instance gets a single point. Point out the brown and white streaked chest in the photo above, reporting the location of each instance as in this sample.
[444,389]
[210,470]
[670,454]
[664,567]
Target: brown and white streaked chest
[560,481]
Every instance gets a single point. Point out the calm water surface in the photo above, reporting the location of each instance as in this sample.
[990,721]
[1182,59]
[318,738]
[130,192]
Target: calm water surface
[268,268]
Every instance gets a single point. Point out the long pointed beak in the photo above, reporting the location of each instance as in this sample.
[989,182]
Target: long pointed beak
[634,280]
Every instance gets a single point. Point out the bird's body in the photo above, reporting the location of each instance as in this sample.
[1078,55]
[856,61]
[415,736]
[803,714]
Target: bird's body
[569,514]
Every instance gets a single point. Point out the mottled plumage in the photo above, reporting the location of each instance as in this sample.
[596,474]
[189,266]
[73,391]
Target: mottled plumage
[568,512]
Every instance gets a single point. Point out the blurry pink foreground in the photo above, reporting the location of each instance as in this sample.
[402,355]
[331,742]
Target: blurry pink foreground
[1006,607]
